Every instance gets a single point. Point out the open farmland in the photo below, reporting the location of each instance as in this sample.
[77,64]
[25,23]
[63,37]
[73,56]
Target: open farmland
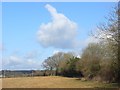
[0,83]
[50,82]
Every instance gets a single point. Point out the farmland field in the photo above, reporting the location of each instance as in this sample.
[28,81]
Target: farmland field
[50,82]
[0,83]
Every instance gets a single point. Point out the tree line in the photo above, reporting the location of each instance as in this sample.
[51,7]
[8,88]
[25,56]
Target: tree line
[99,61]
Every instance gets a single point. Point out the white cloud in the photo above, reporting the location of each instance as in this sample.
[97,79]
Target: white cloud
[104,34]
[20,62]
[31,54]
[59,33]
[91,39]
[15,60]
[56,51]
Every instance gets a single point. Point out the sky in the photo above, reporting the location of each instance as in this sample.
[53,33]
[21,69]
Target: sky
[33,31]
[59,0]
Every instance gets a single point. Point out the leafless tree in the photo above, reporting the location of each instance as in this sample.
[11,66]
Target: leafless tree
[55,61]
[109,33]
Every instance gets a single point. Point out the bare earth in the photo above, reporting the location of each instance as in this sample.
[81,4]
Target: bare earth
[49,82]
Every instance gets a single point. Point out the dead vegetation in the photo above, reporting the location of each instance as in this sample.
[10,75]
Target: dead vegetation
[51,82]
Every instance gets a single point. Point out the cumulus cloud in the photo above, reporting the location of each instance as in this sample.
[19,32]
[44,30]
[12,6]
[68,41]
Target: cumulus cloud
[60,32]
[20,62]
[14,60]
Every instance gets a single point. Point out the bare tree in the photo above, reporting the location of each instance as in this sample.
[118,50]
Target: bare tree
[109,33]
[56,61]
[52,63]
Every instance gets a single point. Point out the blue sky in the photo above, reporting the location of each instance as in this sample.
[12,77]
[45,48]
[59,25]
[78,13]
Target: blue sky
[30,31]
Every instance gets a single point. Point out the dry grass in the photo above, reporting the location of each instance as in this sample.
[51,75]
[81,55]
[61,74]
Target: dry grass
[0,83]
[49,82]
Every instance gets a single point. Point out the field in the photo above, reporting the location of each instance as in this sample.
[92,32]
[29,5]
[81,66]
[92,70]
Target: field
[0,83]
[50,82]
